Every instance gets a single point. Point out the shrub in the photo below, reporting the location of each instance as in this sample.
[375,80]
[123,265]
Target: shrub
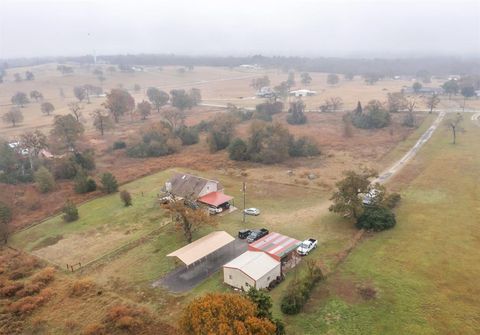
[81,287]
[64,169]
[391,201]
[375,117]
[126,317]
[188,135]
[84,184]
[126,198]
[28,304]
[86,159]
[95,329]
[296,113]
[29,289]
[44,180]
[70,212]
[303,147]
[109,183]
[5,213]
[119,145]
[409,120]
[376,219]
[45,276]
[238,150]
[9,288]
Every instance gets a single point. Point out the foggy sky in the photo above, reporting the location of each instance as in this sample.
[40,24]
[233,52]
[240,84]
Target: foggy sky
[215,27]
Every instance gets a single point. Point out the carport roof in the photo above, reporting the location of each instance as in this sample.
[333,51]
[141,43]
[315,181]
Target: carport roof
[202,247]
[215,198]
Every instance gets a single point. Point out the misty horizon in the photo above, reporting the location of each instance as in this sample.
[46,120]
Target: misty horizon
[347,29]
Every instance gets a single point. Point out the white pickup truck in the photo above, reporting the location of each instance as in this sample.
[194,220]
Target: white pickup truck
[307,246]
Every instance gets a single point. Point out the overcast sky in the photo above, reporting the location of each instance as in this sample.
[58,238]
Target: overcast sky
[223,27]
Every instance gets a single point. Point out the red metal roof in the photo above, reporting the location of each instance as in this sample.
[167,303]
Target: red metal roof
[215,198]
[275,244]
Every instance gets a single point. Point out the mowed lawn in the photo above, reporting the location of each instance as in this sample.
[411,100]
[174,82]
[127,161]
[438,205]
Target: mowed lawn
[104,225]
[426,270]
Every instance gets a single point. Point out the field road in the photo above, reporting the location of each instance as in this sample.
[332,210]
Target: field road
[397,166]
[475,119]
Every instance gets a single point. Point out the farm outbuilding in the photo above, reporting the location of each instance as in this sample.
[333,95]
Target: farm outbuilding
[202,248]
[280,247]
[251,269]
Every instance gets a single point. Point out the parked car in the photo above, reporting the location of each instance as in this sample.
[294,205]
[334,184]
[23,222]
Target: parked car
[257,234]
[370,197]
[252,211]
[243,233]
[307,246]
[214,210]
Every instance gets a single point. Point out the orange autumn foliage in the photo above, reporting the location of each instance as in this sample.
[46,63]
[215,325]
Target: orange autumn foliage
[224,313]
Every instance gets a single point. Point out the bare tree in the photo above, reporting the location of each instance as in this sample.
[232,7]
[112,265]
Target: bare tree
[76,109]
[174,117]
[102,120]
[187,219]
[432,102]
[33,142]
[454,124]
[13,116]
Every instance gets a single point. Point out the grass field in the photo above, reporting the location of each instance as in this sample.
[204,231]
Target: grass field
[426,269]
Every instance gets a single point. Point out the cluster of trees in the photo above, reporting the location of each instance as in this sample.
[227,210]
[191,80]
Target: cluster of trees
[296,113]
[375,115]
[331,104]
[270,143]
[366,203]
[157,139]
[231,313]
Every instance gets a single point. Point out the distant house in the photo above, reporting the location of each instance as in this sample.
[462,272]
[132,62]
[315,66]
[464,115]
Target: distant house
[207,191]
[250,66]
[251,269]
[265,92]
[303,93]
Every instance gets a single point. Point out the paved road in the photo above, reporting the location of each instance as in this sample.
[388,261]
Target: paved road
[183,279]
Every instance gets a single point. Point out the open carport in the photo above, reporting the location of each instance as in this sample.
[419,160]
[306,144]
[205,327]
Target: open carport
[201,259]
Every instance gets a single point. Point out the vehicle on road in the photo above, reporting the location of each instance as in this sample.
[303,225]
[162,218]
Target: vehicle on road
[214,210]
[257,234]
[252,211]
[243,233]
[307,246]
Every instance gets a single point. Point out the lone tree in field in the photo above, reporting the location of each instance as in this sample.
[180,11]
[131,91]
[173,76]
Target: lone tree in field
[66,131]
[432,102]
[76,110]
[467,92]
[13,116]
[333,79]
[29,75]
[296,113]
[126,198]
[347,200]
[224,313]
[396,102]
[36,95]
[454,123]
[157,98]
[182,100]
[305,78]
[281,90]
[119,102]
[47,108]
[451,87]
[144,109]
[109,183]
[70,212]
[80,93]
[258,83]
[102,120]
[20,99]
[187,219]
[417,87]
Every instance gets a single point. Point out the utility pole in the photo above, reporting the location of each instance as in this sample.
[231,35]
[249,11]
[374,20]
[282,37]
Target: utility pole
[244,199]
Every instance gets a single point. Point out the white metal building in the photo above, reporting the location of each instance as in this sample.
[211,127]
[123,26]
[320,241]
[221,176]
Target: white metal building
[252,268]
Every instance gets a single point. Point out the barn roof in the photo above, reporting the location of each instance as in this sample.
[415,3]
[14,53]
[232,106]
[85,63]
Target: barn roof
[215,198]
[275,244]
[202,247]
[253,263]
[187,185]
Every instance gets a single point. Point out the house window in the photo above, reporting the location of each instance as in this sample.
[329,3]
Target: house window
[268,278]
[229,276]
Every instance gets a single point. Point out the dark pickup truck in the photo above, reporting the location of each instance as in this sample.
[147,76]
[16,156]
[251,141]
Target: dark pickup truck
[257,234]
